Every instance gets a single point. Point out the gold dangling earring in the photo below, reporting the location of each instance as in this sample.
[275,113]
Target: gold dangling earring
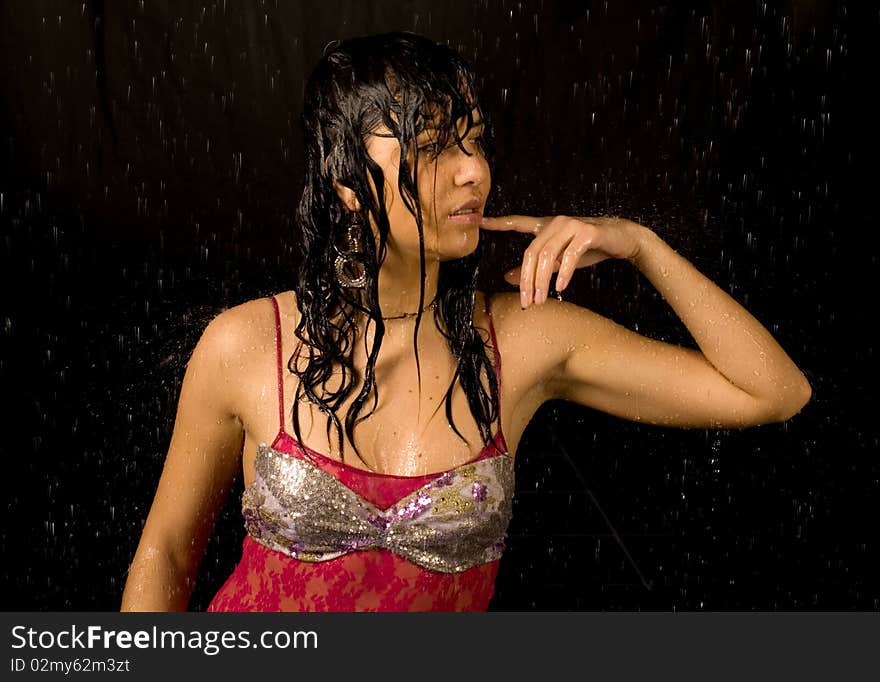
[346,261]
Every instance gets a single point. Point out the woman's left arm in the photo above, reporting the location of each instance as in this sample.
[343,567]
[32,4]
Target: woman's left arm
[739,377]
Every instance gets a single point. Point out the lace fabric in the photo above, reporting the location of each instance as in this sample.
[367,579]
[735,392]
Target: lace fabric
[371,580]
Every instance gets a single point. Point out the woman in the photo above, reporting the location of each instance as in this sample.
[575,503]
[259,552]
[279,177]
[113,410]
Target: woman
[375,411]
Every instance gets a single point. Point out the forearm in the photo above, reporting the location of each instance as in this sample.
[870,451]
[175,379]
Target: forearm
[731,339]
[156,583]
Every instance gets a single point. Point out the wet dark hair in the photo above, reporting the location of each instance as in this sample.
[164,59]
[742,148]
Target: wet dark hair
[404,82]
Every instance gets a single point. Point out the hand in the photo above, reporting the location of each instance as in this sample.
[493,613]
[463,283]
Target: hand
[564,244]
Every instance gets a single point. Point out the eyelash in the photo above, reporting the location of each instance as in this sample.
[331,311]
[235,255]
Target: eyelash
[429,148]
[432,148]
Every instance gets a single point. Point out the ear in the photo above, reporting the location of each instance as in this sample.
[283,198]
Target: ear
[347,196]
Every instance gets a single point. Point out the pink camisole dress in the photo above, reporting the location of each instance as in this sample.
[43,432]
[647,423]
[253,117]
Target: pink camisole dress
[326,536]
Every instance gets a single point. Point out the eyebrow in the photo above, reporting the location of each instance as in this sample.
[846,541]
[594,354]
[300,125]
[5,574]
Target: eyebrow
[433,129]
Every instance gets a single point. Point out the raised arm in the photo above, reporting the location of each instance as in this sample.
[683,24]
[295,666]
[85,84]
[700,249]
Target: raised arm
[739,377]
[202,461]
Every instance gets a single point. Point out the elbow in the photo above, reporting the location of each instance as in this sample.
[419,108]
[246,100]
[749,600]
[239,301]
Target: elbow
[795,399]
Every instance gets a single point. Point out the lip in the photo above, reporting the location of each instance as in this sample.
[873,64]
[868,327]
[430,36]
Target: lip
[474,218]
[473,203]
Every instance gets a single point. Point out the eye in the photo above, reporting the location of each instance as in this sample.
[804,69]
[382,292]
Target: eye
[433,149]
[479,142]
[430,148]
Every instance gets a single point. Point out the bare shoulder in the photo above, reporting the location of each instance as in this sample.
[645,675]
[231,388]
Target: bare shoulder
[239,328]
[237,340]
[550,324]
[533,343]
[544,337]
[229,362]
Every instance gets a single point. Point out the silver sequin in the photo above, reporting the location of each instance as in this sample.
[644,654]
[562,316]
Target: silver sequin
[454,522]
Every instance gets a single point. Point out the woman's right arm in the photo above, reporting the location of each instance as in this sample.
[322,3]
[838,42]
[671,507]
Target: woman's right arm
[203,459]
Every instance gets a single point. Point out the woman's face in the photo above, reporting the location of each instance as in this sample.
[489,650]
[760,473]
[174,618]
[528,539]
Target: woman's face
[452,186]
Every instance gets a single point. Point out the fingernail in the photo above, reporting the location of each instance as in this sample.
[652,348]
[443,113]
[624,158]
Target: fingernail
[539,296]
[523,299]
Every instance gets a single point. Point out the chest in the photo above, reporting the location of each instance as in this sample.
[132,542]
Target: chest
[407,429]
[420,420]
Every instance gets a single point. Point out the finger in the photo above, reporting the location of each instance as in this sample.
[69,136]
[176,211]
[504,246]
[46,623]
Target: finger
[527,279]
[548,262]
[529,284]
[571,258]
[514,223]
[512,276]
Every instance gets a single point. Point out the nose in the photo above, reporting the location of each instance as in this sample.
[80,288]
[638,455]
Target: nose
[471,170]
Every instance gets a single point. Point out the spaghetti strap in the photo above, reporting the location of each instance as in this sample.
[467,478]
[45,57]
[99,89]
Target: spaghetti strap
[495,351]
[278,355]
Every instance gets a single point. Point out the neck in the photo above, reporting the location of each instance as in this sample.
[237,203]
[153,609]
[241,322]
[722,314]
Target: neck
[399,285]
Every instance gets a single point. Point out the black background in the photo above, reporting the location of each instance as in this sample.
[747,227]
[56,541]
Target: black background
[151,162]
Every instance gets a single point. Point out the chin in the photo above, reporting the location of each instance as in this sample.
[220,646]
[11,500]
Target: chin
[460,245]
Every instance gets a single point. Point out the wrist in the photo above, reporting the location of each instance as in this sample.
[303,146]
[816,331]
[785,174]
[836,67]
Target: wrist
[642,238]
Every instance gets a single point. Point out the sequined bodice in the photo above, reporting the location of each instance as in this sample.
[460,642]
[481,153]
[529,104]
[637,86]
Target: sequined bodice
[455,521]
